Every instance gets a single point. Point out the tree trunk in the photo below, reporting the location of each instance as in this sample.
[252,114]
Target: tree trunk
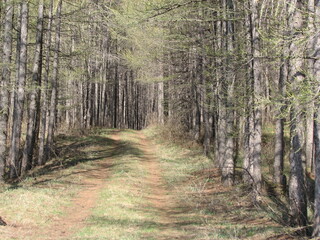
[279,138]
[227,97]
[14,81]
[19,94]
[316,219]
[160,103]
[207,123]
[316,67]
[33,120]
[252,162]
[309,146]
[257,92]
[44,92]
[4,84]
[54,91]
[115,97]
[297,193]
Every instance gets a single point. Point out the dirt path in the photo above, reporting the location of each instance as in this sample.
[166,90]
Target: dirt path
[75,215]
[159,196]
[93,181]
[130,189]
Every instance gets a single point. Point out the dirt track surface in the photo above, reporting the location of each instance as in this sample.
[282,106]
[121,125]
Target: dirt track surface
[93,182]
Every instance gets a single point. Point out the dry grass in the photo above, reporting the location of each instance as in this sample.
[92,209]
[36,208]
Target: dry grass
[200,207]
[124,210]
[40,199]
[214,211]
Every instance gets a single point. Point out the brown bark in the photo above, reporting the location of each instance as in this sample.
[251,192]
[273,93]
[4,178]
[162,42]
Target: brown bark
[309,146]
[4,84]
[54,84]
[252,162]
[297,193]
[44,92]
[19,94]
[160,103]
[227,97]
[257,93]
[279,128]
[316,220]
[316,72]
[34,102]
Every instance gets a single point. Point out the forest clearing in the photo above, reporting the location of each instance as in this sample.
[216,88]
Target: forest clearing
[159,119]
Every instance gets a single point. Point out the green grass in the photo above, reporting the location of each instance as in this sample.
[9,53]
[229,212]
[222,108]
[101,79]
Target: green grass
[32,205]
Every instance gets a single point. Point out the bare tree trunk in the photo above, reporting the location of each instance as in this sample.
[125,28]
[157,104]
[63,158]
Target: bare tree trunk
[257,91]
[160,103]
[115,97]
[70,90]
[309,146]
[44,92]
[206,118]
[297,193]
[279,151]
[228,163]
[247,164]
[279,138]
[316,219]
[4,84]
[33,120]
[227,97]
[252,162]
[19,94]
[197,111]
[220,136]
[316,67]
[54,92]
[13,86]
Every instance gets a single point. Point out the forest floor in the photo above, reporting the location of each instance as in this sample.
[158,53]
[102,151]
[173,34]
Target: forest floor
[129,184]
